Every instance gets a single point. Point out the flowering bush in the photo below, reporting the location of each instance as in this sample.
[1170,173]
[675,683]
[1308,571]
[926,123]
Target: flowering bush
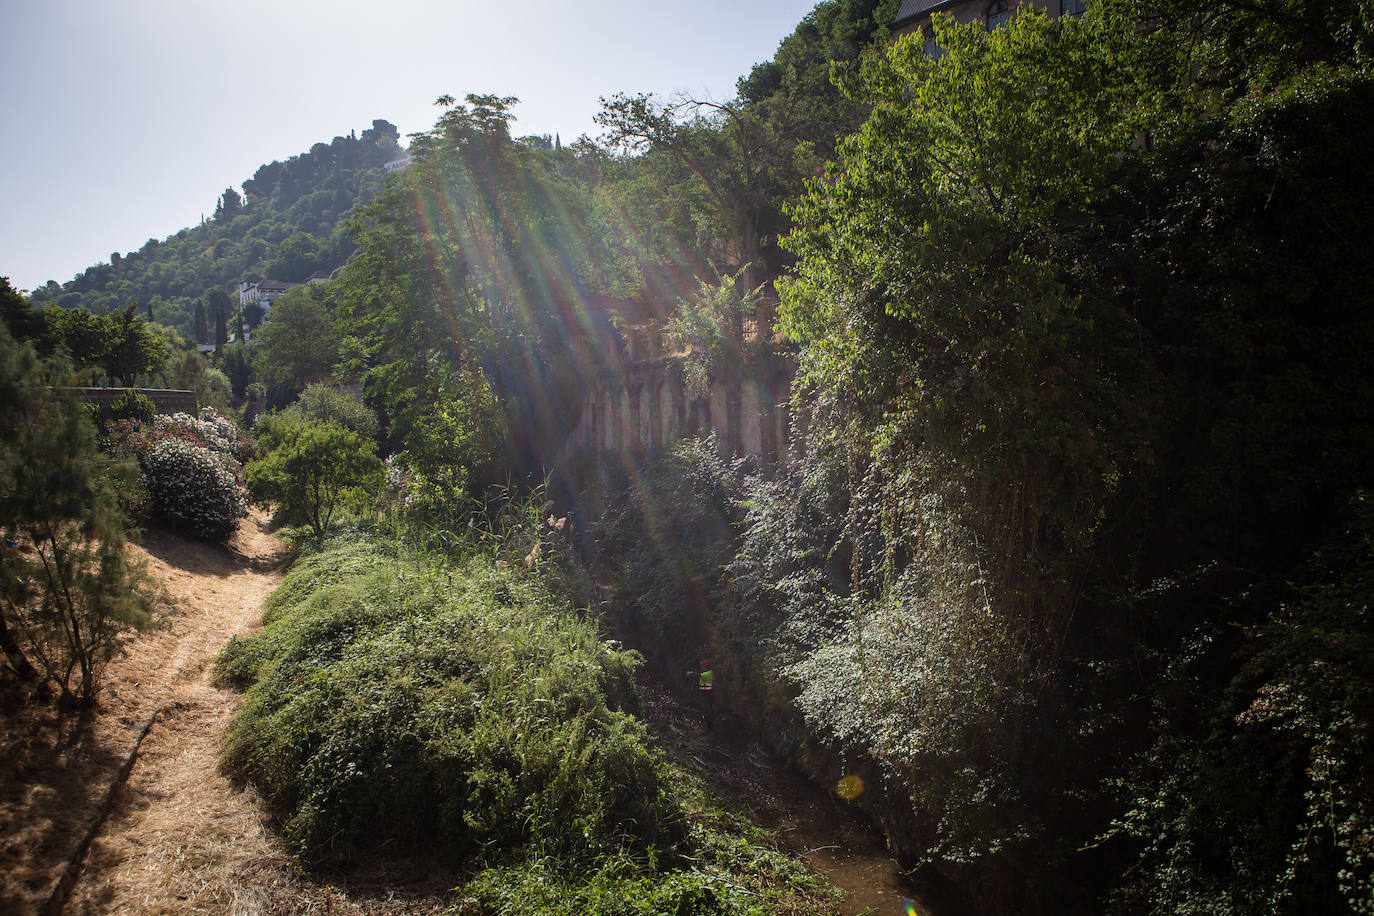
[206,433]
[193,488]
[127,438]
[210,431]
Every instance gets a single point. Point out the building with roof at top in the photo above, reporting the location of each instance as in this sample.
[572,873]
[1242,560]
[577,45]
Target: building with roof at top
[914,15]
[257,290]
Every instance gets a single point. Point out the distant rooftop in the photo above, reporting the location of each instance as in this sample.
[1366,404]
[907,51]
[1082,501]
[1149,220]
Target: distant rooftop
[912,10]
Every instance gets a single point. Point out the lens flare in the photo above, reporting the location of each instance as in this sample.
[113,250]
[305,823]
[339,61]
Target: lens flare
[850,787]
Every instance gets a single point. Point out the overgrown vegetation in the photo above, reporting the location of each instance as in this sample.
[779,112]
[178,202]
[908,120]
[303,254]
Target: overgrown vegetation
[1073,568]
[398,696]
[1083,401]
[312,469]
[1081,406]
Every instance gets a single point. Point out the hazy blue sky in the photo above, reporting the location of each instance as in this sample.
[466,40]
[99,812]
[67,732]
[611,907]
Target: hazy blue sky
[125,121]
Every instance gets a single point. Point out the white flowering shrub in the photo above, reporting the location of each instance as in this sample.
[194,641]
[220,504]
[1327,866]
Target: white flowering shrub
[192,488]
[212,431]
[224,427]
[210,434]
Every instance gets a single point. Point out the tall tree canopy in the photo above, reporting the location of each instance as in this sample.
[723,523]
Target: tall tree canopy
[1090,369]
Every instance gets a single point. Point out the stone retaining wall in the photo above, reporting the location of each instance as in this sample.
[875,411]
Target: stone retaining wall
[165,400]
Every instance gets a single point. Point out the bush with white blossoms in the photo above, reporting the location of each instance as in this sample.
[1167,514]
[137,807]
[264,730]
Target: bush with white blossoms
[210,430]
[215,436]
[191,488]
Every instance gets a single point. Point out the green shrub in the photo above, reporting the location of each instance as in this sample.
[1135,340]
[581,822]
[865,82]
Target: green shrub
[397,695]
[729,867]
[325,403]
[313,469]
[190,488]
[132,406]
[396,701]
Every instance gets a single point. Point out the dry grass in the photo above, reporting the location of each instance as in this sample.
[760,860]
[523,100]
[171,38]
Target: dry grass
[181,838]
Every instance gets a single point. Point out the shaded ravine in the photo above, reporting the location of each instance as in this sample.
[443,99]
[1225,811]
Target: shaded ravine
[828,835]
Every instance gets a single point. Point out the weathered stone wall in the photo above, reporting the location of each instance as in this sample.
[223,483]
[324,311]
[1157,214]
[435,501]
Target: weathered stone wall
[640,407]
[165,400]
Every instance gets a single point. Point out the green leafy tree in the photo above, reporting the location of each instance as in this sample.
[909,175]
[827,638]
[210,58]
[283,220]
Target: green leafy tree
[18,314]
[327,403]
[85,336]
[735,164]
[1083,384]
[313,469]
[978,403]
[229,206]
[134,347]
[297,257]
[298,342]
[731,156]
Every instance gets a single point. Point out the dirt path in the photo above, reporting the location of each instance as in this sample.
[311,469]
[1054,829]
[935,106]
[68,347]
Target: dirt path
[181,838]
[178,837]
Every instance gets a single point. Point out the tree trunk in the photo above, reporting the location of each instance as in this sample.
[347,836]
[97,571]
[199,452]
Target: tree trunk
[18,662]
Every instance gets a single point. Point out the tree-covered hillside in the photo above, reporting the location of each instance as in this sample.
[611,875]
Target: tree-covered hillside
[284,226]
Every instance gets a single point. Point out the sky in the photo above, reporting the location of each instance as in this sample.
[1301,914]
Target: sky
[125,121]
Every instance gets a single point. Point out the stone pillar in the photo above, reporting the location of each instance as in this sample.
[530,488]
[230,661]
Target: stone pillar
[608,430]
[624,425]
[665,428]
[751,419]
[644,396]
[717,420]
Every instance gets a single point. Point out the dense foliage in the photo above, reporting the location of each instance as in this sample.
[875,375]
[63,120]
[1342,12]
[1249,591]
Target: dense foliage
[433,710]
[1082,404]
[331,404]
[313,469]
[399,697]
[300,343]
[1074,565]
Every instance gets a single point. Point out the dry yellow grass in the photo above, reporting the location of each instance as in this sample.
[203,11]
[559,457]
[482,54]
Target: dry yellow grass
[180,838]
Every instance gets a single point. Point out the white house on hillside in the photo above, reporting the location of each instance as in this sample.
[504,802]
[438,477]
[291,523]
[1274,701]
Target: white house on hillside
[257,290]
